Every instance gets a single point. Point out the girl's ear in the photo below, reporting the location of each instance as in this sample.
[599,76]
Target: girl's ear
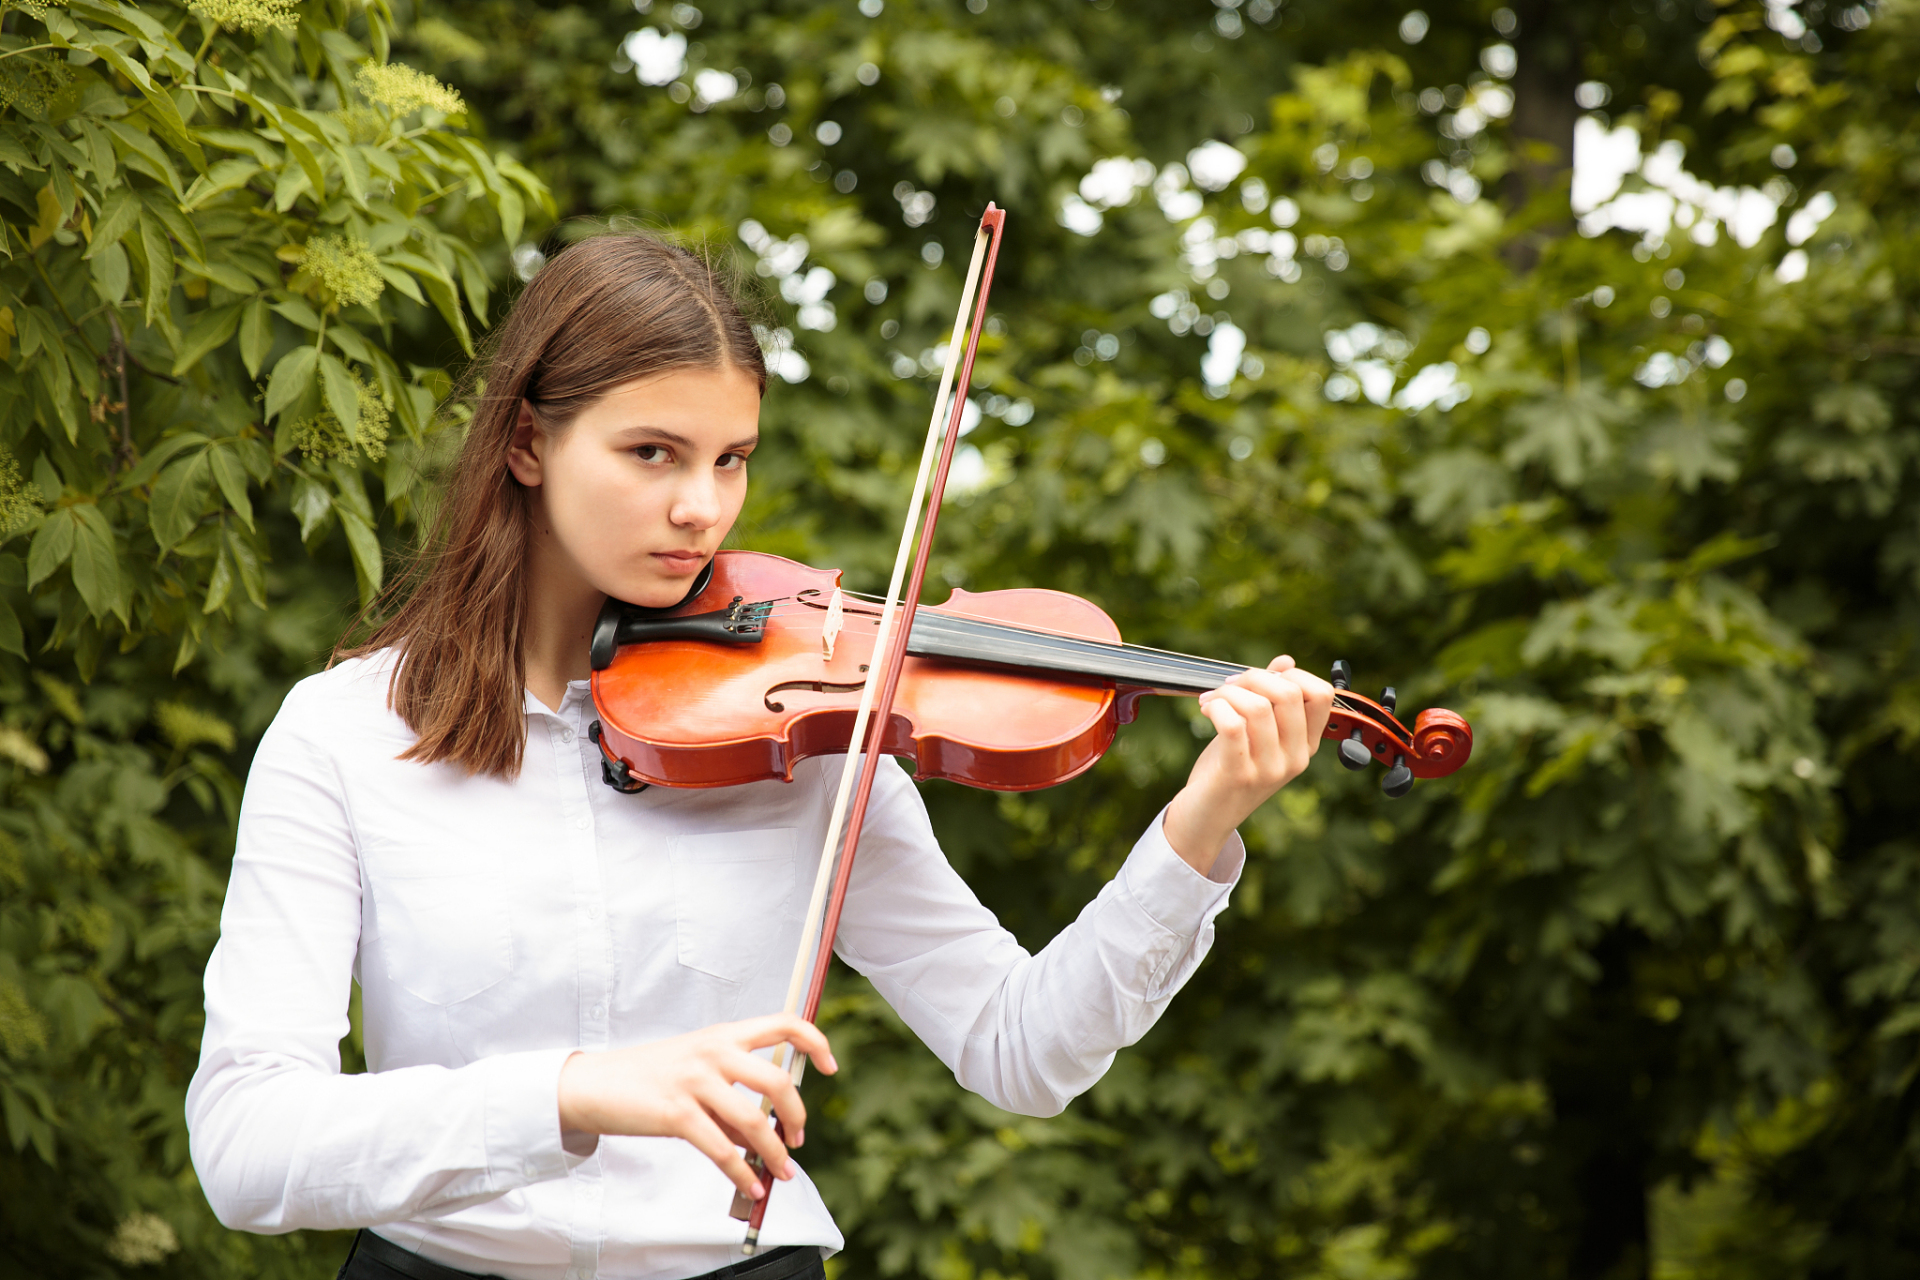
[523,453]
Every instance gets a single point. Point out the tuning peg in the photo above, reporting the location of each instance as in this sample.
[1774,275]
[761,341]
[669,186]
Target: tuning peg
[1354,753]
[1388,698]
[1399,779]
[1342,675]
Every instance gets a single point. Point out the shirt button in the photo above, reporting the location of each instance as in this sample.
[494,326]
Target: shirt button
[599,1011]
[566,735]
[593,911]
[531,1169]
[581,823]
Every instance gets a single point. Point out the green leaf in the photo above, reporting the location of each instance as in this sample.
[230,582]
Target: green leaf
[177,224]
[180,499]
[156,457]
[51,548]
[159,254]
[111,274]
[290,186]
[160,107]
[12,639]
[142,154]
[225,175]
[96,561]
[513,215]
[292,377]
[296,310]
[420,266]
[353,173]
[247,561]
[312,504]
[403,282]
[232,478]
[473,278]
[351,490]
[11,152]
[366,553]
[240,140]
[60,182]
[219,582]
[224,274]
[100,157]
[447,302]
[351,344]
[343,397]
[209,330]
[256,335]
[118,213]
[309,163]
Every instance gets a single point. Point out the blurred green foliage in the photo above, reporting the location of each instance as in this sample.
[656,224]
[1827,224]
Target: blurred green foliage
[1296,346]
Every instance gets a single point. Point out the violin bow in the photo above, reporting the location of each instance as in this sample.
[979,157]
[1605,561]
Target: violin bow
[883,678]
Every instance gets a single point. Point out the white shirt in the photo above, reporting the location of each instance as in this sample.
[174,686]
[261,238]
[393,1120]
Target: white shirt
[495,927]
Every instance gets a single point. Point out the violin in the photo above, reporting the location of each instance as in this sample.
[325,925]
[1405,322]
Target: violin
[767,662]
[764,662]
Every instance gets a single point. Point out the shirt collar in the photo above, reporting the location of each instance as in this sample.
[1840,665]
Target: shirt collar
[579,692]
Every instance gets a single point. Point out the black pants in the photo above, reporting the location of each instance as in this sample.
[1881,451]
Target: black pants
[375,1258]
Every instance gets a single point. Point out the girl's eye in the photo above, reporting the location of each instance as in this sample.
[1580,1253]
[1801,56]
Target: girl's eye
[732,461]
[650,453]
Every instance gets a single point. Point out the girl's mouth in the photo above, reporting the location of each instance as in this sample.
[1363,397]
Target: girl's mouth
[680,561]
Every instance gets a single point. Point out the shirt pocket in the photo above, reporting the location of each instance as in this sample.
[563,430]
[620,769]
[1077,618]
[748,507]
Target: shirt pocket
[729,888]
[444,926]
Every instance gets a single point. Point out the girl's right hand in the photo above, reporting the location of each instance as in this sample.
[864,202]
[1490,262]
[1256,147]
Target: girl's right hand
[683,1088]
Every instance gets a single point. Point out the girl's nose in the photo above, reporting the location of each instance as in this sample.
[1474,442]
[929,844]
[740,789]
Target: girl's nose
[696,504]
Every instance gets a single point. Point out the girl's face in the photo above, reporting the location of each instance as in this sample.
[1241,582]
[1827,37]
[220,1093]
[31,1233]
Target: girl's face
[633,498]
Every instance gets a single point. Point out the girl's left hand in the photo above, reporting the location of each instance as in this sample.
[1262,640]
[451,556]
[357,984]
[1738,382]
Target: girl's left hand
[1268,726]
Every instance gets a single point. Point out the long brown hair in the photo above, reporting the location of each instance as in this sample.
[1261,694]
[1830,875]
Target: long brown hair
[604,311]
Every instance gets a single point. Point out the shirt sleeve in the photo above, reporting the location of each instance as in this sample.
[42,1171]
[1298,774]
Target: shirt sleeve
[282,1140]
[1029,1033]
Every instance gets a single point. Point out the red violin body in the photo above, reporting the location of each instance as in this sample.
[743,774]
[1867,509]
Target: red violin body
[1007,690]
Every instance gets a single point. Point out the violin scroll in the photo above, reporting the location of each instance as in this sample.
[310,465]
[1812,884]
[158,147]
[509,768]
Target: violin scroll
[1441,740]
[1368,731]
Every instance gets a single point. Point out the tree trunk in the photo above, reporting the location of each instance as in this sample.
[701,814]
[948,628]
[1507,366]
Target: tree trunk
[1548,44]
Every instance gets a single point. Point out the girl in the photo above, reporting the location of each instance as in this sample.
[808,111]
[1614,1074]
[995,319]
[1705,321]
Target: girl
[563,986]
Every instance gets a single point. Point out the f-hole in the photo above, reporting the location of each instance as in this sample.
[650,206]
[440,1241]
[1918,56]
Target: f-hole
[811,686]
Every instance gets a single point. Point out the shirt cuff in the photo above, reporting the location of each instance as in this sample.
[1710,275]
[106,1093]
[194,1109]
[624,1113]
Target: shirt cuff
[1167,888]
[524,1141]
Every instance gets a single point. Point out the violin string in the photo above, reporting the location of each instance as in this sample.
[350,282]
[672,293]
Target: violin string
[791,606]
[936,620]
[1035,647]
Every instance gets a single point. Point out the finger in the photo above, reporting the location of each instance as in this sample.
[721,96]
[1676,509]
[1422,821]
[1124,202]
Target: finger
[730,1109]
[1271,706]
[707,1138]
[776,1085]
[1319,699]
[1289,704]
[1284,662]
[1295,693]
[785,1028]
[755,1072]
[1228,724]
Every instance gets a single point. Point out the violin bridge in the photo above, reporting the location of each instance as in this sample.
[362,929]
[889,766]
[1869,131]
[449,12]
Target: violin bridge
[831,624]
